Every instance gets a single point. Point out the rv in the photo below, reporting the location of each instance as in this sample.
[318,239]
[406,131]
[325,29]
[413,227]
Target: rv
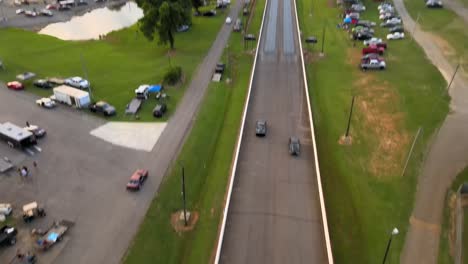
[15,136]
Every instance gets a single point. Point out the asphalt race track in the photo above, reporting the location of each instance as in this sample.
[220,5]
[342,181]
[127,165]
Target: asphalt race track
[274,215]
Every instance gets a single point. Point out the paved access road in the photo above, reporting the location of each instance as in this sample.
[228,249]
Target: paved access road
[448,155]
[274,216]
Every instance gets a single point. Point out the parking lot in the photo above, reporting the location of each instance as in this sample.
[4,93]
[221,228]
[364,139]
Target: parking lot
[79,178]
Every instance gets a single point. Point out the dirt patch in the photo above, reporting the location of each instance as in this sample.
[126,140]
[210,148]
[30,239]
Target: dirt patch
[331,3]
[179,226]
[345,140]
[446,48]
[311,57]
[379,121]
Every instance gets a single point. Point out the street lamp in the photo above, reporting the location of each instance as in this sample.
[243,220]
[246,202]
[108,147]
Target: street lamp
[393,233]
[183,193]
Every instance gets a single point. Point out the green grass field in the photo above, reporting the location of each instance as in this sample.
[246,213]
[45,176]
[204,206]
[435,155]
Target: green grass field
[212,138]
[365,194]
[116,66]
[450,30]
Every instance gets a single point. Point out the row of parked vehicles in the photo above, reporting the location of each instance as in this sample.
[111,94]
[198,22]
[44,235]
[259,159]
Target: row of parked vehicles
[364,30]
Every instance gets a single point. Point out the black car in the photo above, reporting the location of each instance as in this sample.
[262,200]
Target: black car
[397,29]
[294,146]
[102,107]
[159,110]
[434,4]
[8,235]
[362,35]
[41,83]
[260,128]
[220,67]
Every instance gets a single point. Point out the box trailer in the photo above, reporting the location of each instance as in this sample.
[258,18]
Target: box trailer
[71,96]
[16,136]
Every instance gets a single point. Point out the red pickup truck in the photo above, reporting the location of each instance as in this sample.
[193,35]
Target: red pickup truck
[373,49]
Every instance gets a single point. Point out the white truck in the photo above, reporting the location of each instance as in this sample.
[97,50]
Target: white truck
[71,96]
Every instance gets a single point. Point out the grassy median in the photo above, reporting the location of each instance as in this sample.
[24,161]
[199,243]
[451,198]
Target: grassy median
[207,156]
[116,66]
[365,194]
[449,31]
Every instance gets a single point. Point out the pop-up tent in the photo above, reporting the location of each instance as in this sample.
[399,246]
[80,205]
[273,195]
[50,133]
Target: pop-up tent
[155,88]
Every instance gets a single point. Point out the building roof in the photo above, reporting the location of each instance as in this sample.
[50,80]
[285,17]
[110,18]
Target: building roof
[77,93]
[15,132]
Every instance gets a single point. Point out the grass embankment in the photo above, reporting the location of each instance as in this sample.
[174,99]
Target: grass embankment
[450,31]
[364,192]
[207,156]
[447,236]
[116,66]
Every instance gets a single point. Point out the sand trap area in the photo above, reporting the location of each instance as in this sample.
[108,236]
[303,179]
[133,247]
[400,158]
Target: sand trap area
[139,136]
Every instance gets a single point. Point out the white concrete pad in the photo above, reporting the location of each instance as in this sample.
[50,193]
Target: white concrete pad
[139,136]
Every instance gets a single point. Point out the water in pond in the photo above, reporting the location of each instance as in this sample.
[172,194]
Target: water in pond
[97,22]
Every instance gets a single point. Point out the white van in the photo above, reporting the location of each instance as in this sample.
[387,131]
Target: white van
[5,209]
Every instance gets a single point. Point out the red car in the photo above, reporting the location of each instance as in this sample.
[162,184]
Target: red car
[373,49]
[137,180]
[15,85]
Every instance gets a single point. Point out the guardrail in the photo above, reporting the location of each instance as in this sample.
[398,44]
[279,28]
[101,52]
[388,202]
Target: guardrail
[241,134]
[312,131]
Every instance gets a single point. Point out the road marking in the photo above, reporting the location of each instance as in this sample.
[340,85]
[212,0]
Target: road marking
[37,148]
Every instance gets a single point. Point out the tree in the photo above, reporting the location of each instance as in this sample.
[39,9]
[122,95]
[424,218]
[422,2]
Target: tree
[163,17]
[196,4]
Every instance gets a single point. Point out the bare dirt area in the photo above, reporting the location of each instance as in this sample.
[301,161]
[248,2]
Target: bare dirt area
[381,120]
[179,225]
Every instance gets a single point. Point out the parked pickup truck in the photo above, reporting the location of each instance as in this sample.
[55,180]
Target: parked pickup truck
[374,64]
[8,235]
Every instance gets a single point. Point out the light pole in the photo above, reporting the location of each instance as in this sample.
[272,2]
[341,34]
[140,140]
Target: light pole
[183,193]
[393,233]
[85,70]
[349,118]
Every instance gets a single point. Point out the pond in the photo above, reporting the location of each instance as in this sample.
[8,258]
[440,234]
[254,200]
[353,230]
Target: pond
[96,22]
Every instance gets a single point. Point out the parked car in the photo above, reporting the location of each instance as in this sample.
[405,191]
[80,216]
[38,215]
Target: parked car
[386,9]
[371,56]
[434,4]
[52,7]
[365,23]
[362,35]
[228,20]
[391,22]
[373,64]
[82,2]
[46,12]
[8,235]
[30,13]
[220,67]
[46,102]
[5,209]
[183,28]
[358,7]
[373,49]
[396,29]
[361,29]
[238,25]
[77,82]
[137,179]
[260,128]
[385,5]
[63,8]
[388,15]
[102,107]
[15,85]
[19,11]
[353,15]
[372,41]
[37,131]
[396,35]
[159,110]
[294,146]
[42,83]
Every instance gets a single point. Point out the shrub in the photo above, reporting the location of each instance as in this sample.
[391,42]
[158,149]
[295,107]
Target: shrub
[173,75]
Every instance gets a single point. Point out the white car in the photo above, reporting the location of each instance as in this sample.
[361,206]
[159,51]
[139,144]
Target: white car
[77,82]
[228,20]
[372,41]
[46,12]
[5,209]
[19,11]
[396,35]
[384,5]
[394,21]
[30,13]
[45,102]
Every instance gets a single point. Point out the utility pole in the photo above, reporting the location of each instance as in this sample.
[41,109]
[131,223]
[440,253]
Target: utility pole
[393,233]
[453,77]
[183,196]
[85,70]
[415,25]
[323,37]
[411,151]
[349,118]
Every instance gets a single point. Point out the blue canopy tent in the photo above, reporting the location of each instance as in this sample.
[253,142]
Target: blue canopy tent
[155,88]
